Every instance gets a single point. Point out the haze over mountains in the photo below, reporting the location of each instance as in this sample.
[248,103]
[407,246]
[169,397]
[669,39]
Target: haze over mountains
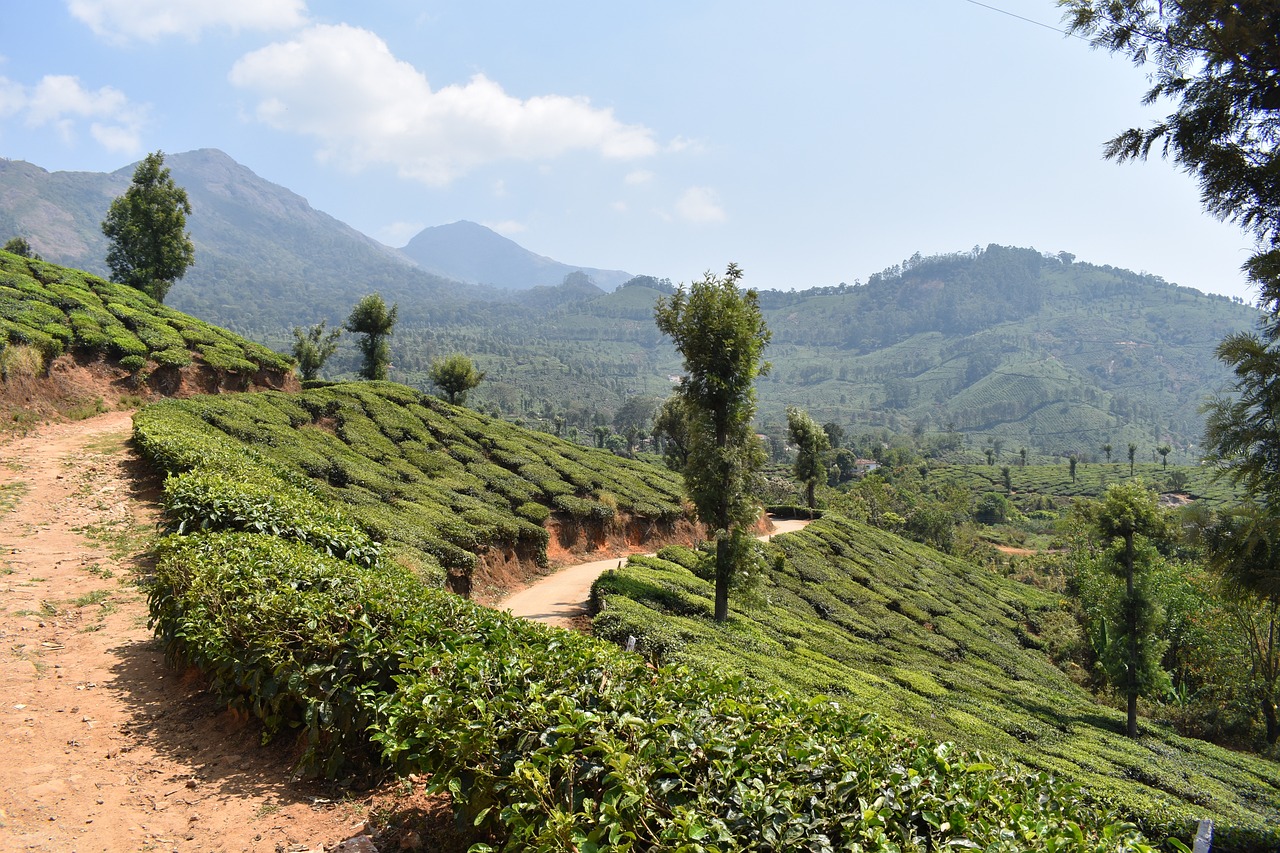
[996,343]
[248,229]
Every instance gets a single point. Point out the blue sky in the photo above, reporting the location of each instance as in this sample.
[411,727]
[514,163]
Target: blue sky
[811,143]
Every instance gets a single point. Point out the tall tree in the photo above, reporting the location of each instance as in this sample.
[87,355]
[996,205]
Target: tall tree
[1106,448]
[150,246]
[812,447]
[1127,520]
[313,347]
[1243,547]
[373,321]
[1164,450]
[1133,451]
[636,412]
[455,375]
[835,434]
[721,333]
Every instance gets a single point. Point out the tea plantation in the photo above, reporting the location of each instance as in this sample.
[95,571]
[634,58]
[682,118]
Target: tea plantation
[1091,480]
[277,583]
[941,649]
[56,310]
[438,486]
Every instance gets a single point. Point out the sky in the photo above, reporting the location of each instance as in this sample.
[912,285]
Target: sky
[811,143]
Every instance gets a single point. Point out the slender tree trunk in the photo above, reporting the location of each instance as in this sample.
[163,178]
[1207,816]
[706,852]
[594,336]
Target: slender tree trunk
[724,571]
[1131,685]
[809,497]
[1270,718]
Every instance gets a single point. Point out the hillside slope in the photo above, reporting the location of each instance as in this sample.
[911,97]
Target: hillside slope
[264,257]
[67,335]
[939,648]
[1004,343]
[363,467]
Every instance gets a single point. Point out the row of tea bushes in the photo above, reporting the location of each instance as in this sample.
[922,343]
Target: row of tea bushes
[552,741]
[940,649]
[56,310]
[275,584]
[437,484]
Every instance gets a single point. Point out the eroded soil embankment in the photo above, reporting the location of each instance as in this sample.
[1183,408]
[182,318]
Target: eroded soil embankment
[504,570]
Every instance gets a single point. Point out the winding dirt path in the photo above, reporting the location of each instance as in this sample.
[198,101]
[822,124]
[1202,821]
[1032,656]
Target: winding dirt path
[101,746]
[561,598]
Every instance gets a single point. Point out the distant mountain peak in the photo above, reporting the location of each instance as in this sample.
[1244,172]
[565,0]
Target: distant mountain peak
[470,252]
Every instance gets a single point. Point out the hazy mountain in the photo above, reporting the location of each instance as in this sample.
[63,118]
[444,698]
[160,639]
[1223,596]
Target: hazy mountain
[998,343]
[469,252]
[264,256]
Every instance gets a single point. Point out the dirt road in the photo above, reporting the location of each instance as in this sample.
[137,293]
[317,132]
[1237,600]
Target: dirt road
[561,598]
[101,746]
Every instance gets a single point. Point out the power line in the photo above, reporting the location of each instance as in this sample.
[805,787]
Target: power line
[1027,20]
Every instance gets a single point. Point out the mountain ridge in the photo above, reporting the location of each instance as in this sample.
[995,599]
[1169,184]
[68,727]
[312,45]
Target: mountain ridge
[474,253]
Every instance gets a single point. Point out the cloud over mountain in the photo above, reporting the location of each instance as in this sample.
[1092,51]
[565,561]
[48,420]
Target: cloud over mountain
[343,86]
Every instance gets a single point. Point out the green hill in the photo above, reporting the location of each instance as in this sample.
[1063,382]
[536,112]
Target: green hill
[442,488]
[1039,351]
[302,578]
[1003,343]
[938,648]
[48,313]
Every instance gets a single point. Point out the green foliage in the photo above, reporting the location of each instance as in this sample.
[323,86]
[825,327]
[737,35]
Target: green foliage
[721,335]
[301,640]
[371,319]
[812,448]
[56,310]
[343,466]
[549,740]
[992,508]
[940,649]
[20,246]
[312,348]
[1128,522]
[1243,548]
[150,248]
[455,375]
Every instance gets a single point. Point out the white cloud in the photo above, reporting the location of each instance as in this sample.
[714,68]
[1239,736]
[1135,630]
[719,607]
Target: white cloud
[342,85]
[149,20]
[638,177]
[619,206]
[700,204]
[61,102]
[12,97]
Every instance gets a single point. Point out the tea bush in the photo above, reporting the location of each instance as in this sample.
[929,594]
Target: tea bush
[57,310]
[439,484]
[940,649]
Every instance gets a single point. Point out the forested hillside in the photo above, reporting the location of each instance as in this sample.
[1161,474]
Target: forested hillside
[997,343]
[1001,343]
